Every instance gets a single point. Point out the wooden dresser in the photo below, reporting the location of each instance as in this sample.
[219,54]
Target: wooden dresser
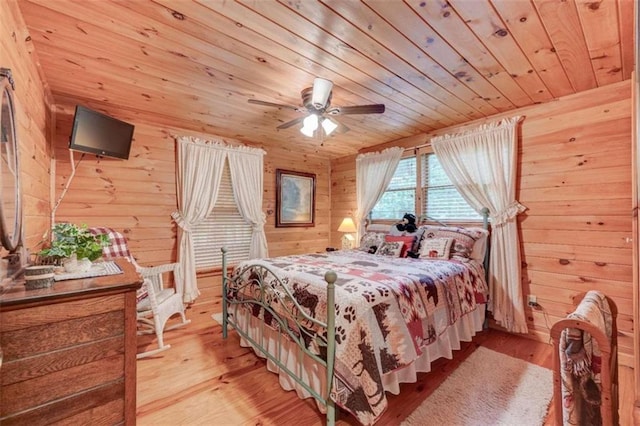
[69,351]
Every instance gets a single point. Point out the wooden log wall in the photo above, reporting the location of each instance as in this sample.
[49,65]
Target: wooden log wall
[574,176]
[138,195]
[34,118]
[343,194]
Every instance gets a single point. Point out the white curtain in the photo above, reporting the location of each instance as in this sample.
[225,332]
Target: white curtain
[246,166]
[374,171]
[199,173]
[482,165]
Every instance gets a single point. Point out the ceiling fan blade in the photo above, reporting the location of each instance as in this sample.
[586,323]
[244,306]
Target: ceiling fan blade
[291,123]
[271,104]
[357,109]
[342,128]
[321,92]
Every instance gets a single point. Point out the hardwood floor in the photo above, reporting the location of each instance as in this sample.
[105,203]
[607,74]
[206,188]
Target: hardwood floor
[205,380]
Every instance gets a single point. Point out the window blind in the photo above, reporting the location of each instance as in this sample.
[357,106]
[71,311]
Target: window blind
[440,199]
[400,196]
[224,227]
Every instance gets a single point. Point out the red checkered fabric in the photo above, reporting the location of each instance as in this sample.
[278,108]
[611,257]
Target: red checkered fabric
[118,248]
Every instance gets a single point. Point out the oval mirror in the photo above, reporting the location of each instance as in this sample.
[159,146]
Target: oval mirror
[10,206]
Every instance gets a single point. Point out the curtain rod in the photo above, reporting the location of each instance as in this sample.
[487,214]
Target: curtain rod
[413,148]
[461,129]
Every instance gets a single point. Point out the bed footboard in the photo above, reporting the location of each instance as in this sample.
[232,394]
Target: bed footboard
[260,293]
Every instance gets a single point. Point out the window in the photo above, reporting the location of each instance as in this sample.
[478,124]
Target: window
[224,227]
[440,199]
[400,196]
[436,196]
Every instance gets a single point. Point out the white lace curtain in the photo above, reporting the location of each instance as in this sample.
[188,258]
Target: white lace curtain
[247,171]
[199,171]
[374,171]
[482,166]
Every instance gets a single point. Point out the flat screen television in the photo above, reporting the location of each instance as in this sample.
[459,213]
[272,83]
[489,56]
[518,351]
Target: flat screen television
[100,134]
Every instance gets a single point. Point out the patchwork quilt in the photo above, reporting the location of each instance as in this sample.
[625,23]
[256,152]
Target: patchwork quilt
[387,311]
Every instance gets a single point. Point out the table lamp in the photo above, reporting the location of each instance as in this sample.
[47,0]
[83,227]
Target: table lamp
[349,228]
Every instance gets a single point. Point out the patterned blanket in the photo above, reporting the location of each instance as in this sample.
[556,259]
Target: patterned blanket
[387,311]
[581,362]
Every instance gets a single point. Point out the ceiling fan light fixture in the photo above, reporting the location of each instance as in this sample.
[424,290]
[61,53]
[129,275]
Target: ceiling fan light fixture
[321,92]
[316,102]
[308,132]
[309,125]
[311,121]
[329,126]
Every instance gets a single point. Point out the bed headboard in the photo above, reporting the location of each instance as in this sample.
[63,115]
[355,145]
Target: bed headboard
[424,221]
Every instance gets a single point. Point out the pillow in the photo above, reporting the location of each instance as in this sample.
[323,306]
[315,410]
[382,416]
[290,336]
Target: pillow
[392,249]
[407,240]
[371,239]
[436,248]
[480,246]
[464,238]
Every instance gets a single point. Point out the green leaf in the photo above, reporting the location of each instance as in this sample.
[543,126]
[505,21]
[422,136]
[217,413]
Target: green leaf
[70,238]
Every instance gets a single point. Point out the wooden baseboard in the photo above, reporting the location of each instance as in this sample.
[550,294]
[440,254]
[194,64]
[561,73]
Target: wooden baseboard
[624,359]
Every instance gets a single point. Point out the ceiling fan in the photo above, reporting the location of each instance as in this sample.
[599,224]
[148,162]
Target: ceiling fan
[316,103]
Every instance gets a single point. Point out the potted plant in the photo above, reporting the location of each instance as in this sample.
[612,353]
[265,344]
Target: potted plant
[74,243]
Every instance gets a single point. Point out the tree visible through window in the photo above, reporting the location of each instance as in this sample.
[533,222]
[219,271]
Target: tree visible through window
[435,196]
[400,196]
[440,199]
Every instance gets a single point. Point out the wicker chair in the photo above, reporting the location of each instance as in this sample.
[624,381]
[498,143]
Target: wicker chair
[155,303]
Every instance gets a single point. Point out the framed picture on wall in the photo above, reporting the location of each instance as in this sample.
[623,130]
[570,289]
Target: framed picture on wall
[295,198]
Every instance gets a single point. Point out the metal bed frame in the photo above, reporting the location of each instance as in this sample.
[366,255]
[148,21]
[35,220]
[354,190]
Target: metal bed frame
[263,297]
[264,293]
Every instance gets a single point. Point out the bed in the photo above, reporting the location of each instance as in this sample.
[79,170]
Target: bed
[392,317]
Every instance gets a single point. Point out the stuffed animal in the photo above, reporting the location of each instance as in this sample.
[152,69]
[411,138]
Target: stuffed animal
[408,223]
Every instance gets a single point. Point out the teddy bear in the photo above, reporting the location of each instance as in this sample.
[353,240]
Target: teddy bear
[408,223]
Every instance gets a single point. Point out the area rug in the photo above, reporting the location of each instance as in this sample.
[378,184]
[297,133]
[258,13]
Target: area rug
[217,317]
[488,388]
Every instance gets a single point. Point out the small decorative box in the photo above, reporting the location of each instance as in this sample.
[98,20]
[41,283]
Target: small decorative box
[38,276]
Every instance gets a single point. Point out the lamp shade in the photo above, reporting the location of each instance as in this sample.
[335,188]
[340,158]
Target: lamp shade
[328,126]
[311,121]
[310,124]
[347,225]
[307,131]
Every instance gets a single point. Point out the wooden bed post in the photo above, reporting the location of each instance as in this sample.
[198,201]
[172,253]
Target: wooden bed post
[224,292]
[330,277]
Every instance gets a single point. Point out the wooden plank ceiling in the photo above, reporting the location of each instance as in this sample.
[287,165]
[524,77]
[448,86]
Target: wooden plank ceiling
[195,64]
